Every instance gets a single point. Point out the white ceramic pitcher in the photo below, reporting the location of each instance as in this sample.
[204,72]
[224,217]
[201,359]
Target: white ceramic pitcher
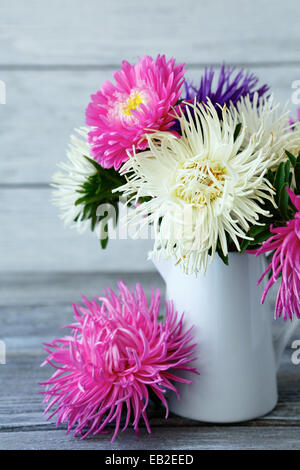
[237,359]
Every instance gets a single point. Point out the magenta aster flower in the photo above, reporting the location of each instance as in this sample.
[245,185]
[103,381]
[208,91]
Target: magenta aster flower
[117,353]
[285,263]
[140,101]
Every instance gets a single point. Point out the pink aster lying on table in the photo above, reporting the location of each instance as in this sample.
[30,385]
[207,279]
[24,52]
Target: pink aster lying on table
[117,354]
[141,100]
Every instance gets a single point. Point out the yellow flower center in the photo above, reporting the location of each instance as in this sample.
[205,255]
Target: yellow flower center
[200,183]
[132,103]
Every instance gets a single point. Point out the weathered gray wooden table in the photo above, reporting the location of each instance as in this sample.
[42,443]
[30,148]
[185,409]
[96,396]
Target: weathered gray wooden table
[32,309]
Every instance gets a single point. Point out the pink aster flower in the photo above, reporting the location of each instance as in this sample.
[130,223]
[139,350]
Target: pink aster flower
[140,101]
[117,353]
[285,263]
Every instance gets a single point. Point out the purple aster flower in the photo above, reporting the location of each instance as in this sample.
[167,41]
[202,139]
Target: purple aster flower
[231,86]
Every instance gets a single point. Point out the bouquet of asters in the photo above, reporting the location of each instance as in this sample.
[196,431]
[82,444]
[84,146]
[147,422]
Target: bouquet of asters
[213,167]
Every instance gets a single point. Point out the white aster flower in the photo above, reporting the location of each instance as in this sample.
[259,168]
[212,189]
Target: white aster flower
[266,117]
[75,173]
[203,186]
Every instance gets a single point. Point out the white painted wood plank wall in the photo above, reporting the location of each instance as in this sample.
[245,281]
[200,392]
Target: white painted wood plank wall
[53,55]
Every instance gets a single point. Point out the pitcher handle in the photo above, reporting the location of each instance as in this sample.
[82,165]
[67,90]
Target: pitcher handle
[282,339]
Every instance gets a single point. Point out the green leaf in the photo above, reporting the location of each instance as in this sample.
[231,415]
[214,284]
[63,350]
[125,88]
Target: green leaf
[270,176]
[279,176]
[259,233]
[291,157]
[221,254]
[244,245]
[104,242]
[93,162]
[223,257]
[97,190]
[93,221]
[237,131]
[287,170]
[283,202]
[297,176]
[261,237]
[282,178]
